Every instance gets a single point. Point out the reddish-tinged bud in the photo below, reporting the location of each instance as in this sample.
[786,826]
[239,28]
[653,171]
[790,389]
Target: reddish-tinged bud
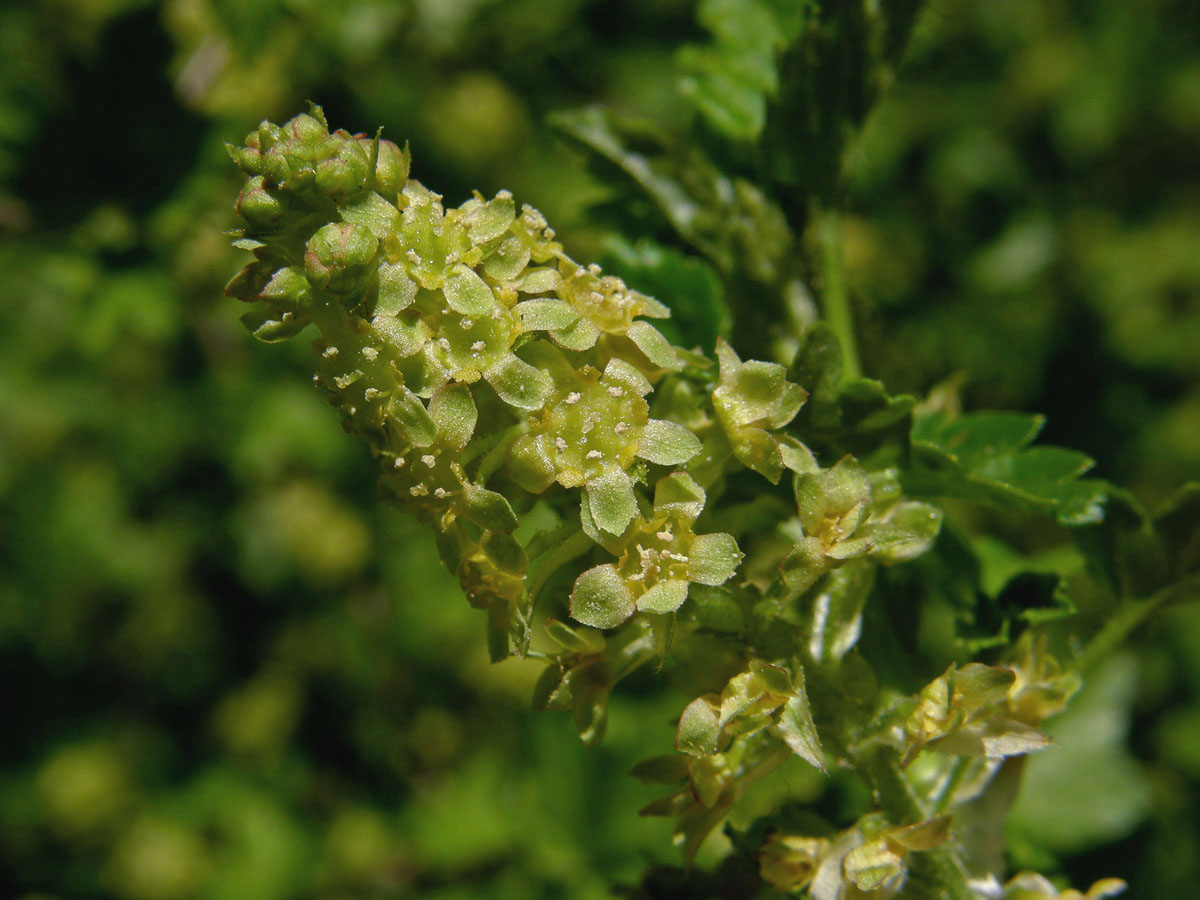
[338,255]
[343,174]
[260,206]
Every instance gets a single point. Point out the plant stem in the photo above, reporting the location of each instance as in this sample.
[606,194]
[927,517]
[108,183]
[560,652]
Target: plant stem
[834,296]
[1128,616]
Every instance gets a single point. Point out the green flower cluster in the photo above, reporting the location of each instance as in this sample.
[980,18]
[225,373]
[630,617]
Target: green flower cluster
[564,450]
[491,373]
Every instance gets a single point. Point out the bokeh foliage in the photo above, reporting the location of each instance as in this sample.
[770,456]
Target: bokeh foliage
[230,673]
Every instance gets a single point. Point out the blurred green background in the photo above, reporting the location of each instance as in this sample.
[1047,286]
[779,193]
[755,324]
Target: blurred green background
[229,673]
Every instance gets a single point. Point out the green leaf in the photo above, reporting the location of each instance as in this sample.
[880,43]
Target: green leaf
[729,221]
[796,728]
[979,438]
[539,281]
[601,598]
[699,729]
[729,80]
[984,457]
[817,367]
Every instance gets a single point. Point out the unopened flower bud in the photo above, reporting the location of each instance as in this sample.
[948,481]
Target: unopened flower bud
[260,206]
[344,173]
[306,129]
[268,135]
[391,169]
[337,256]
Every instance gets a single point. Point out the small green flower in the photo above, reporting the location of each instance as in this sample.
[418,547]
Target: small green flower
[605,305]
[338,256]
[262,206]
[657,559]
[590,432]
[788,862]
[752,399]
[844,513]
[831,505]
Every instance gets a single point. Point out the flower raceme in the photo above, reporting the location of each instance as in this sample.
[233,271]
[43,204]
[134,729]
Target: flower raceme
[566,453]
[490,373]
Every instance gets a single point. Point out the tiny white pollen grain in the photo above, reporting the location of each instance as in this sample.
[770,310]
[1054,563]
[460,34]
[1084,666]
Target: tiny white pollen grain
[594,269]
[479,346]
[465,323]
[665,535]
[440,493]
[330,352]
[444,343]
[621,428]
[595,454]
[573,398]
[429,459]
[370,353]
[559,444]
[615,392]
[353,410]
[413,256]
[399,463]
[371,393]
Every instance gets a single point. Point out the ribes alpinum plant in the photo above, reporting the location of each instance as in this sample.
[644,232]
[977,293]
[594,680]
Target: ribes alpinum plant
[615,499]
